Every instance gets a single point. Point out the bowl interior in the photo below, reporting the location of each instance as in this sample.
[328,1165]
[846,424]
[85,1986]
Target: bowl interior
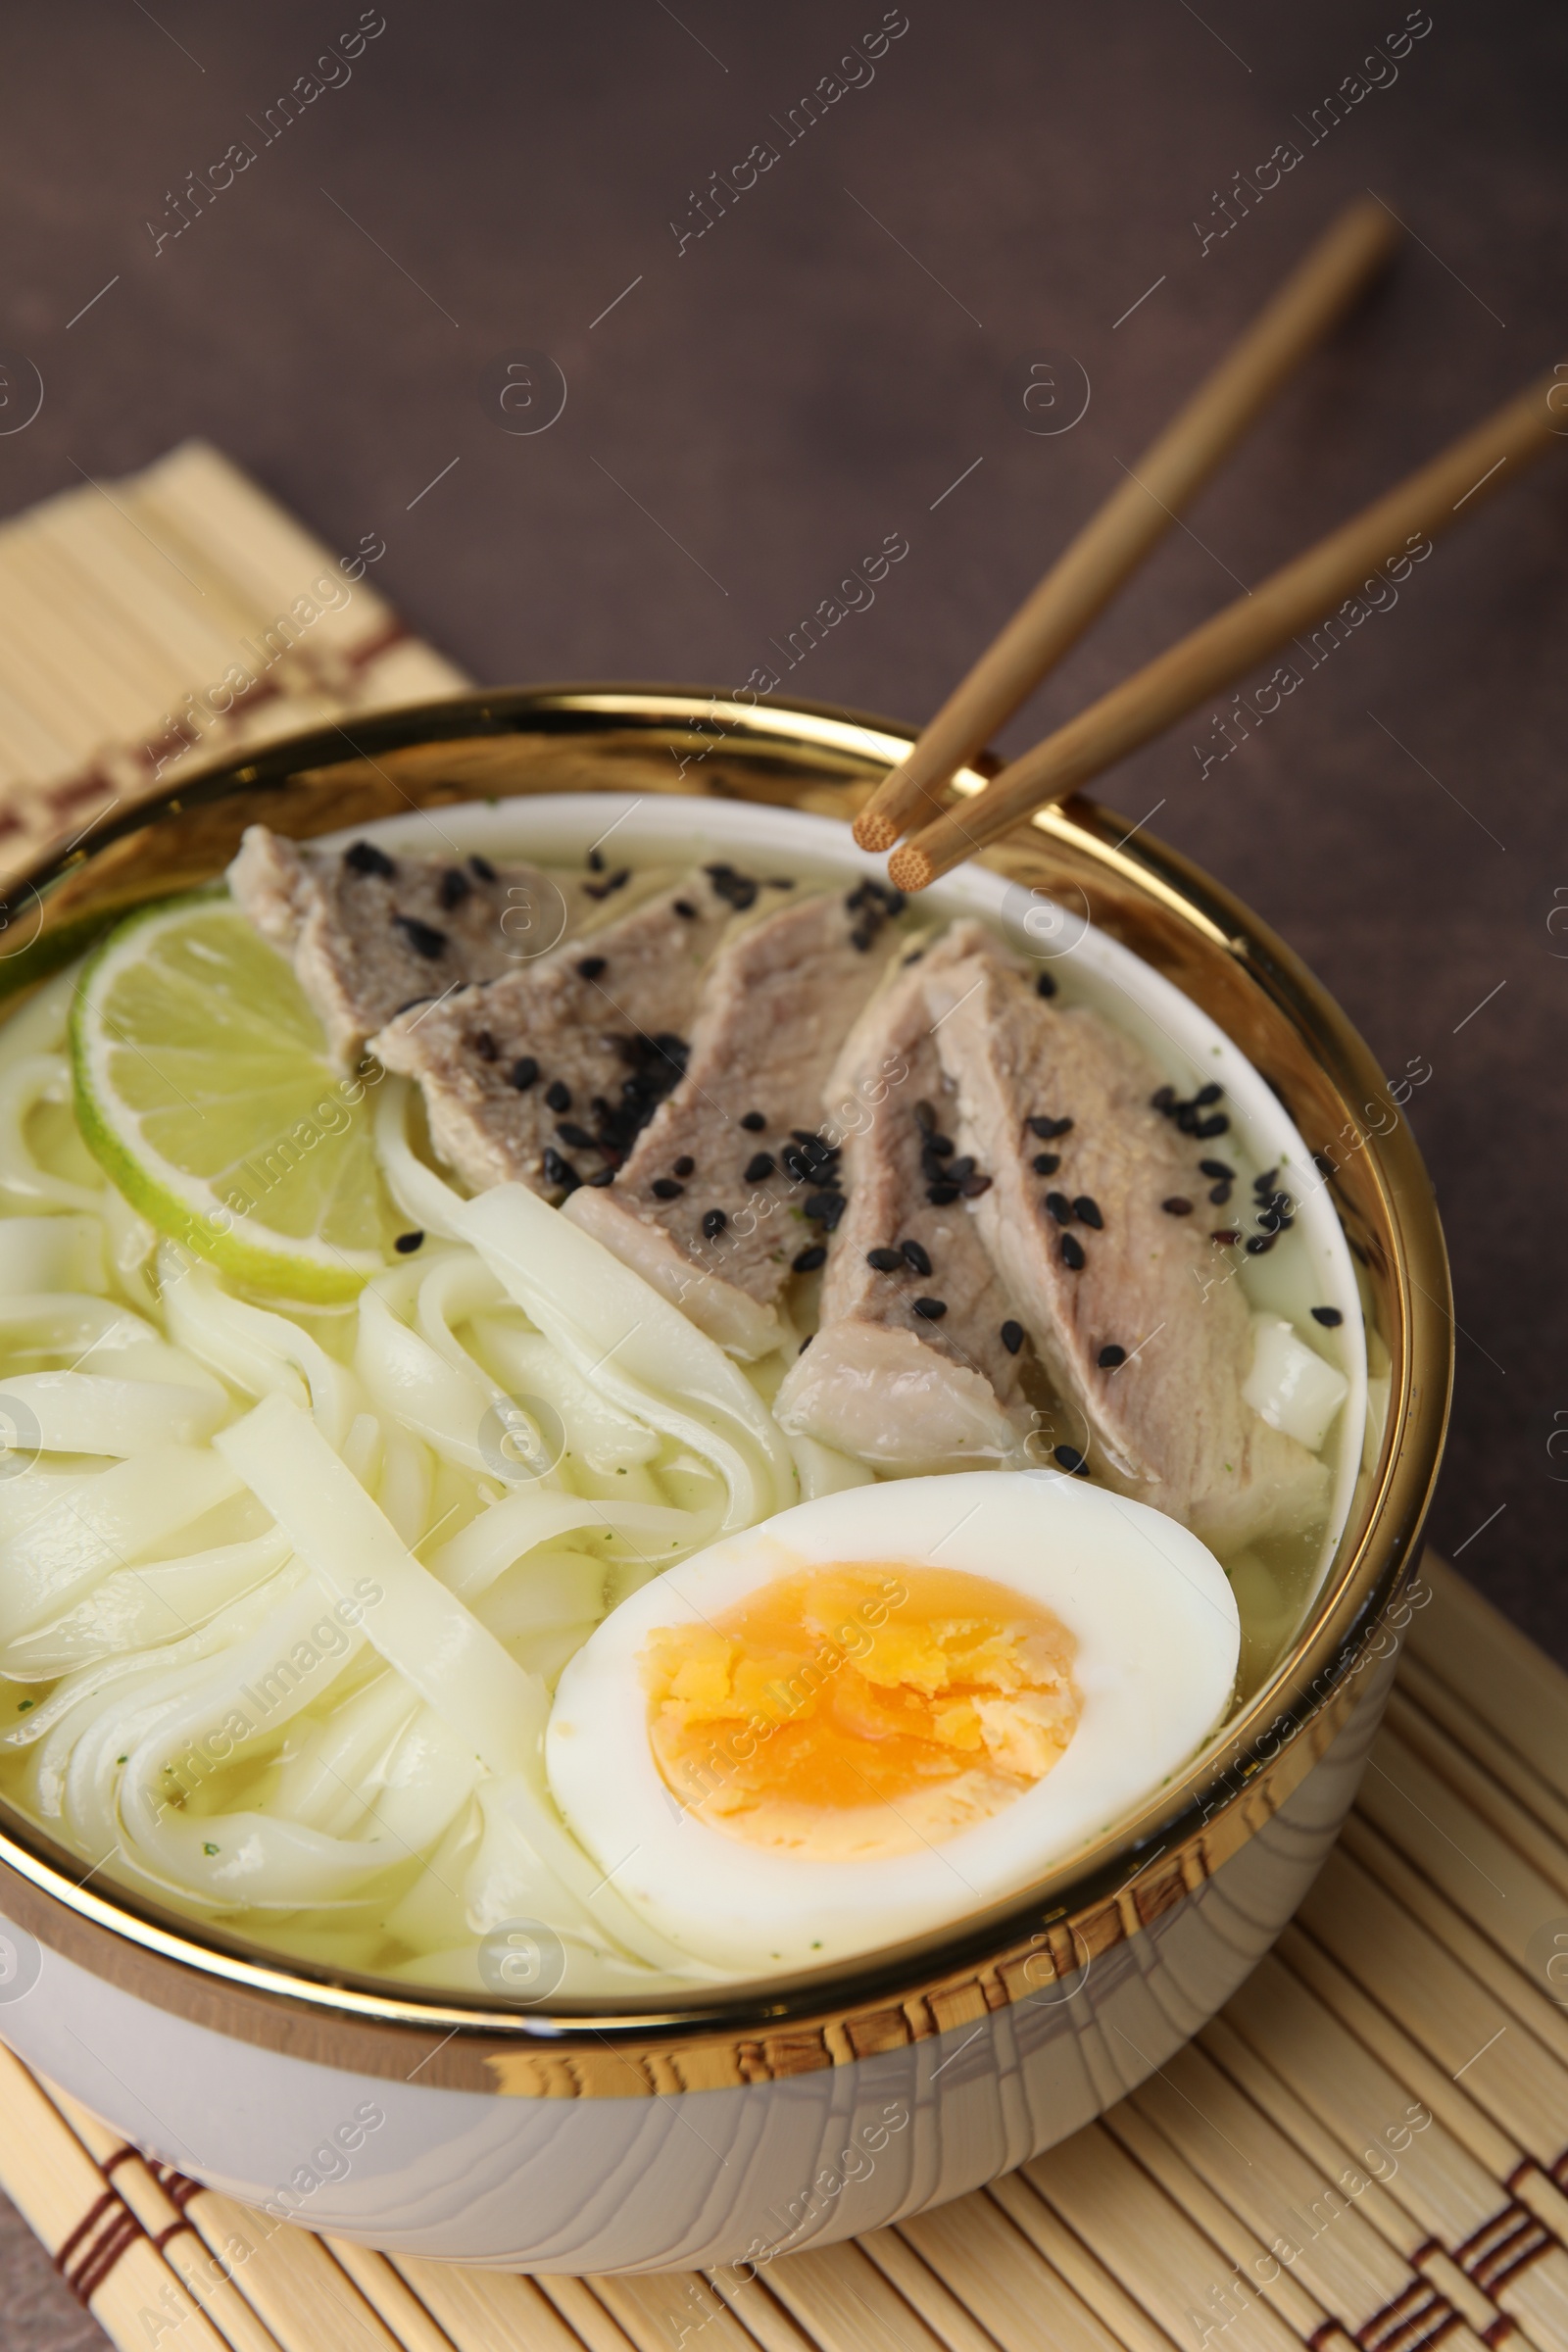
[1122,923]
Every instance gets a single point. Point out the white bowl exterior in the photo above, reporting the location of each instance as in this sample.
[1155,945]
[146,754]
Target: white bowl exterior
[744,2174]
[736,2176]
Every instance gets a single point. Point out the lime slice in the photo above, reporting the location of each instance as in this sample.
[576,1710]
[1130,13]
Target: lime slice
[205,1090]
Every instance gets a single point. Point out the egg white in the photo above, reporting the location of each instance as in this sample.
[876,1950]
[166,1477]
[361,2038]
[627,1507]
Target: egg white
[1157,1634]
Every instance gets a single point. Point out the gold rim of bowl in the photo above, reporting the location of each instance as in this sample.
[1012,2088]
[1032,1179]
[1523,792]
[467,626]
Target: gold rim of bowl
[1038,1946]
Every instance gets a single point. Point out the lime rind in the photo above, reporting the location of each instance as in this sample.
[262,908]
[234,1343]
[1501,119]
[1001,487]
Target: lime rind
[205,1091]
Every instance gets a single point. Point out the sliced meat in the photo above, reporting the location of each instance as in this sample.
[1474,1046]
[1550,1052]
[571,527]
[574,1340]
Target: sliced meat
[718,1200]
[1098,1266]
[906,1390]
[545,1077]
[371,932]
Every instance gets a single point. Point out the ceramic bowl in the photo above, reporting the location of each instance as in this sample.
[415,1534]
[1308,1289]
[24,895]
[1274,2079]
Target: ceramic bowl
[737,2125]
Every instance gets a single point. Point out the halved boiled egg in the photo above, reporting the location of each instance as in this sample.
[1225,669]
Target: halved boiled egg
[886,1708]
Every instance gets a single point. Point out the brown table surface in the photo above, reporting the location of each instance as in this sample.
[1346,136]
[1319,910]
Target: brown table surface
[844,342]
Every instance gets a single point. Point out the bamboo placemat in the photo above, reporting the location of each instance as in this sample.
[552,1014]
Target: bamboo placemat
[171,617]
[1370,2146]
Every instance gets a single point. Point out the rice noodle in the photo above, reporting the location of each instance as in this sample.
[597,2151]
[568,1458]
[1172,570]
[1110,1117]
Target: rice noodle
[24,1083]
[611,1324]
[231,1681]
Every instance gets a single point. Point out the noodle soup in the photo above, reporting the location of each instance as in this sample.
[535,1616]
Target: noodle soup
[486,1313]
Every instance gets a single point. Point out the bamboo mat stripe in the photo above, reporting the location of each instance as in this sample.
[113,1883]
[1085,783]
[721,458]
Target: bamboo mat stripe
[1368,2148]
[168,617]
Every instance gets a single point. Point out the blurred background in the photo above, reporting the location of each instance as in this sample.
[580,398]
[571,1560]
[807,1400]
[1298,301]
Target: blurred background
[759,386]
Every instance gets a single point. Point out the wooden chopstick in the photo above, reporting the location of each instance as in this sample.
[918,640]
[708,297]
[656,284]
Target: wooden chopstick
[1137,514]
[1294,598]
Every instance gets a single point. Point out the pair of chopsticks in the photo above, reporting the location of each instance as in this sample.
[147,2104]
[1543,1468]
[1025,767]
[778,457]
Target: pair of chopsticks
[911,799]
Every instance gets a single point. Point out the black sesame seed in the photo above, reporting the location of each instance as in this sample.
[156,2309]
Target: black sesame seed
[735,888]
[1260,1244]
[1217,1169]
[925,1118]
[1265,1182]
[1072,1254]
[1110,1356]
[602,1177]
[596,862]
[713,1223]
[1045,986]
[760,1167]
[754,1122]
[407,1244]
[560,1171]
[1219,1193]
[1215,1124]
[974,1185]
[559,1094]
[1209,1094]
[1164,1102]
[940,1146]
[484,1045]
[685,1166]
[808,1260]
[524,1073]
[1328,1316]
[1049,1129]
[1045,1163]
[1178,1205]
[1086,1212]
[797,1164]
[1069,1458]
[915,1258]
[482,868]
[575,1137]
[1012,1337]
[931,1310]
[685,910]
[592,968]
[664,1188]
[886,1261]
[826,1210]
[455,888]
[941,1195]
[1060,1208]
[424,938]
[363,857]
[806,1343]
[958,1169]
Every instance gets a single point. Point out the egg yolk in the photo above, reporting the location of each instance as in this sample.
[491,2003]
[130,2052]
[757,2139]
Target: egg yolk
[856,1711]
